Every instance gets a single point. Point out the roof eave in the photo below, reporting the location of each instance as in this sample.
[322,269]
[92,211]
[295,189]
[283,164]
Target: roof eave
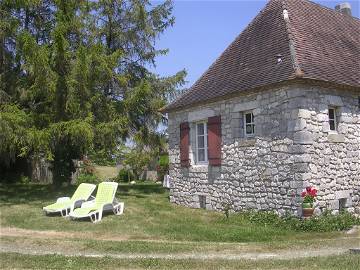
[295,78]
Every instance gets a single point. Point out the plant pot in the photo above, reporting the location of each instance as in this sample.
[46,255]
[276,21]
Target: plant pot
[307,210]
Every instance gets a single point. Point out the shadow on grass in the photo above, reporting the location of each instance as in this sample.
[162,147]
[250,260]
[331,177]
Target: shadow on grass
[29,193]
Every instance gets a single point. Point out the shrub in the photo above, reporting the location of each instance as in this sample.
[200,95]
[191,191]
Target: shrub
[125,175]
[163,166]
[87,178]
[323,223]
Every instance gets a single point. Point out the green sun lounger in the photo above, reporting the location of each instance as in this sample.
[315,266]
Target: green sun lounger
[65,205]
[104,201]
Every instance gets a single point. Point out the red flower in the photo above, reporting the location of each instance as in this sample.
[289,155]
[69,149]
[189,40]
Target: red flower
[303,194]
[308,189]
[313,192]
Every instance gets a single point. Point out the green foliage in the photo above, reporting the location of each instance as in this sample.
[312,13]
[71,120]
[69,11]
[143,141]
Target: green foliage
[74,78]
[323,223]
[138,160]
[164,162]
[226,209]
[163,166]
[87,178]
[103,157]
[125,175]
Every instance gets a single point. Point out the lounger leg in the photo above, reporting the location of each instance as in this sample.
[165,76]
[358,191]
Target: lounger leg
[95,218]
[66,212]
[119,209]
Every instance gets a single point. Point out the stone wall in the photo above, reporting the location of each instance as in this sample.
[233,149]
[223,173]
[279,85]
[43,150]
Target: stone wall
[332,158]
[292,149]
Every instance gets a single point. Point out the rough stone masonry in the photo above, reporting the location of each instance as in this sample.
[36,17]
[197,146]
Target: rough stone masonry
[293,148]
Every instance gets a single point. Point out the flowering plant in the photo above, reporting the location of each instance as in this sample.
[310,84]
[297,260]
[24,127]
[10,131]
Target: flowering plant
[309,195]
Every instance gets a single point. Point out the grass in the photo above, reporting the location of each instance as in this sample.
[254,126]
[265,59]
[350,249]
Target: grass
[73,245]
[13,260]
[151,225]
[148,215]
[106,172]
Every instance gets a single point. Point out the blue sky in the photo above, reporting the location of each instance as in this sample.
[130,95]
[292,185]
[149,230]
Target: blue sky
[203,29]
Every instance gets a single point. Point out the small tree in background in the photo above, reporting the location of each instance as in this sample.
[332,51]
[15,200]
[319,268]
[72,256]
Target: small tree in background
[163,166]
[138,160]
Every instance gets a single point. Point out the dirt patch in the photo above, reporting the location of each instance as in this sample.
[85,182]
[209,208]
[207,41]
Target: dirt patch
[197,255]
[70,244]
[15,232]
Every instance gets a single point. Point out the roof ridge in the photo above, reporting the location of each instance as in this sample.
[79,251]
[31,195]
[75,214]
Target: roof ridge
[298,73]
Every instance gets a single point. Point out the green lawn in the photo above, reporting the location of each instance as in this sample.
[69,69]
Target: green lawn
[151,225]
[148,215]
[12,261]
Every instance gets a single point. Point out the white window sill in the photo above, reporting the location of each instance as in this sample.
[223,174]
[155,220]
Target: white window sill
[201,165]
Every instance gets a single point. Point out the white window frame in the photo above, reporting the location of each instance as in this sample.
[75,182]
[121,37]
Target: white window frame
[330,119]
[205,143]
[252,123]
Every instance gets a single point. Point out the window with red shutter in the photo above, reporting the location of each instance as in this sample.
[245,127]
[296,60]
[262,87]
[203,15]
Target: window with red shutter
[201,143]
[214,140]
[184,144]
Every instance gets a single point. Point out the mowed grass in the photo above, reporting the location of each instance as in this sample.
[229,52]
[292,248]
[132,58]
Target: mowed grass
[16,261]
[106,172]
[148,215]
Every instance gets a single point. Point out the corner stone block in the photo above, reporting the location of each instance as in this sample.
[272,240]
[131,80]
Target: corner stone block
[304,114]
[303,137]
[343,194]
[300,124]
[336,138]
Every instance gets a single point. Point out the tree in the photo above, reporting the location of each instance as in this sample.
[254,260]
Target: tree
[74,77]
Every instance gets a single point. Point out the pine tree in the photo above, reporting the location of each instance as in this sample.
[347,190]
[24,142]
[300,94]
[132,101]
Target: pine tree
[75,79]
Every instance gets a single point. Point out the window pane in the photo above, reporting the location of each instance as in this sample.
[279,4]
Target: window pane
[332,124]
[201,141]
[200,129]
[201,154]
[331,114]
[249,129]
[248,118]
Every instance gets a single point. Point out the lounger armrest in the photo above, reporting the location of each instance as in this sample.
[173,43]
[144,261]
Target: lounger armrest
[63,199]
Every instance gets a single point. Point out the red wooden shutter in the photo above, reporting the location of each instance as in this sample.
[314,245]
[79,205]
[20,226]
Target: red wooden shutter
[214,140]
[184,144]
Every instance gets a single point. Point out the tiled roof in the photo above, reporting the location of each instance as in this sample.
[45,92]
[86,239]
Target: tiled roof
[315,42]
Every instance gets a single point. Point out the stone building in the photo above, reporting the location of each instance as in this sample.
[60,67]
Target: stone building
[278,111]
